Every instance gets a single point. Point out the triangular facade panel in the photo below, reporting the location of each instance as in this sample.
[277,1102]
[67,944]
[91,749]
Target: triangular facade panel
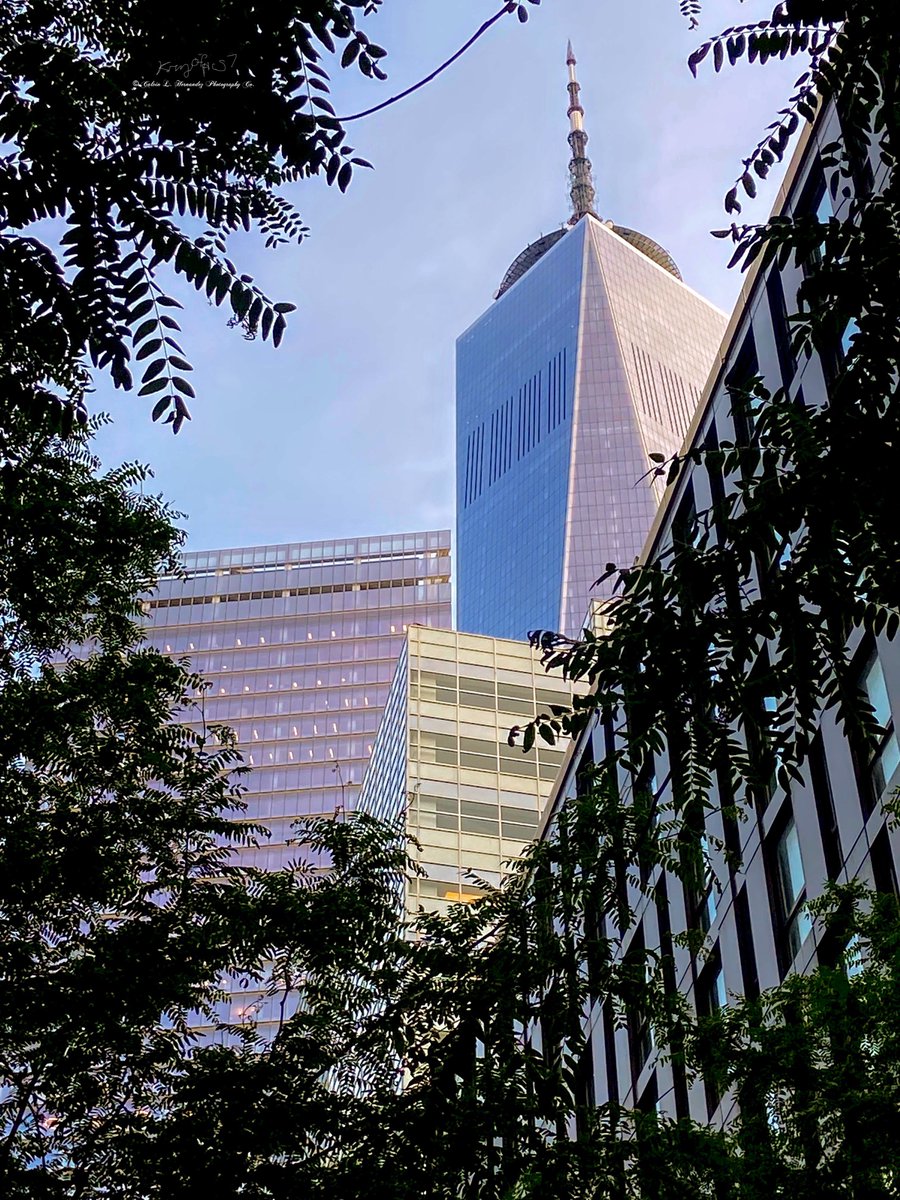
[609,507]
[668,337]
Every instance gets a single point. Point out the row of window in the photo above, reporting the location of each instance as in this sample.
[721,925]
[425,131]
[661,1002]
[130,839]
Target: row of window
[294,579]
[495,695]
[467,816]
[300,552]
[482,754]
[300,678]
[327,750]
[342,721]
[212,609]
[238,635]
[228,709]
[254,657]
[515,428]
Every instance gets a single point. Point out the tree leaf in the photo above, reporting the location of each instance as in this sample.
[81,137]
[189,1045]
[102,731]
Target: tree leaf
[183,386]
[156,386]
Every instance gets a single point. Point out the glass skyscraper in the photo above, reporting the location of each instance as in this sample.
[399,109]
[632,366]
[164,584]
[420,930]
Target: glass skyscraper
[591,358]
[299,643]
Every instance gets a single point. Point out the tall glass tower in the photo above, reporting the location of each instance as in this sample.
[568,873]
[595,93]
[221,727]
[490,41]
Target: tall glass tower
[591,358]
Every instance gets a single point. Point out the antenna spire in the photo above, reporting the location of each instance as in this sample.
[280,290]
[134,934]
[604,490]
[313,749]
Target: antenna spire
[582,184]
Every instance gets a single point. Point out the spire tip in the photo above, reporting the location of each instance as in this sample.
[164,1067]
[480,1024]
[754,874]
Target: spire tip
[582,185]
[570,54]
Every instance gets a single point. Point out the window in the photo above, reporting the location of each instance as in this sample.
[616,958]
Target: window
[640,1034]
[762,737]
[720,506]
[667,952]
[701,902]
[884,757]
[711,999]
[648,1101]
[686,529]
[716,996]
[815,201]
[884,872]
[645,795]
[744,406]
[609,1053]
[794,920]
[850,331]
[781,329]
[770,708]
[825,810]
[585,1094]
[746,950]
[856,143]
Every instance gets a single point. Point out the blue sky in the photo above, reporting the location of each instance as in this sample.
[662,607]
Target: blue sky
[347,429]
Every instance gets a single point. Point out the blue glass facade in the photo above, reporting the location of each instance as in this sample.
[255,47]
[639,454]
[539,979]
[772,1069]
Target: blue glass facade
[588,365]
[515,398]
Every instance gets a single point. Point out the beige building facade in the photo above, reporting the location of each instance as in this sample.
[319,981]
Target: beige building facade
[472,801]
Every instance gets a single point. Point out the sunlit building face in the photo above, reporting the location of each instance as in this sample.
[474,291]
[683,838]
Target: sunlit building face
[299,643]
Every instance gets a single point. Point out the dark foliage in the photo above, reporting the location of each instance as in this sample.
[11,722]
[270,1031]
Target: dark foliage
[154,130]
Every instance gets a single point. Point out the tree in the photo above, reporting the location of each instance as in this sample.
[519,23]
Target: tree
[125,119]
[155,130]
[121,916]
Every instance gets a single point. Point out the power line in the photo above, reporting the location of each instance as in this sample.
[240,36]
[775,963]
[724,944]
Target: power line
[511,6]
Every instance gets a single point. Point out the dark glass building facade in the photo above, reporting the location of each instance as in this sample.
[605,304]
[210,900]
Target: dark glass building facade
[750,926]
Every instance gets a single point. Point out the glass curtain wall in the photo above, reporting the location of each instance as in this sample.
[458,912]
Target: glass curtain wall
[299,643]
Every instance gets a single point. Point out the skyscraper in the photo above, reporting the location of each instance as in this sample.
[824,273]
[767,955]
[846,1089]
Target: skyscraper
[591,358]
[299,643]
[471,800]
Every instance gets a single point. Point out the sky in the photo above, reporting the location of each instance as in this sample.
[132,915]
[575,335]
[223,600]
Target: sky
[347,428]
